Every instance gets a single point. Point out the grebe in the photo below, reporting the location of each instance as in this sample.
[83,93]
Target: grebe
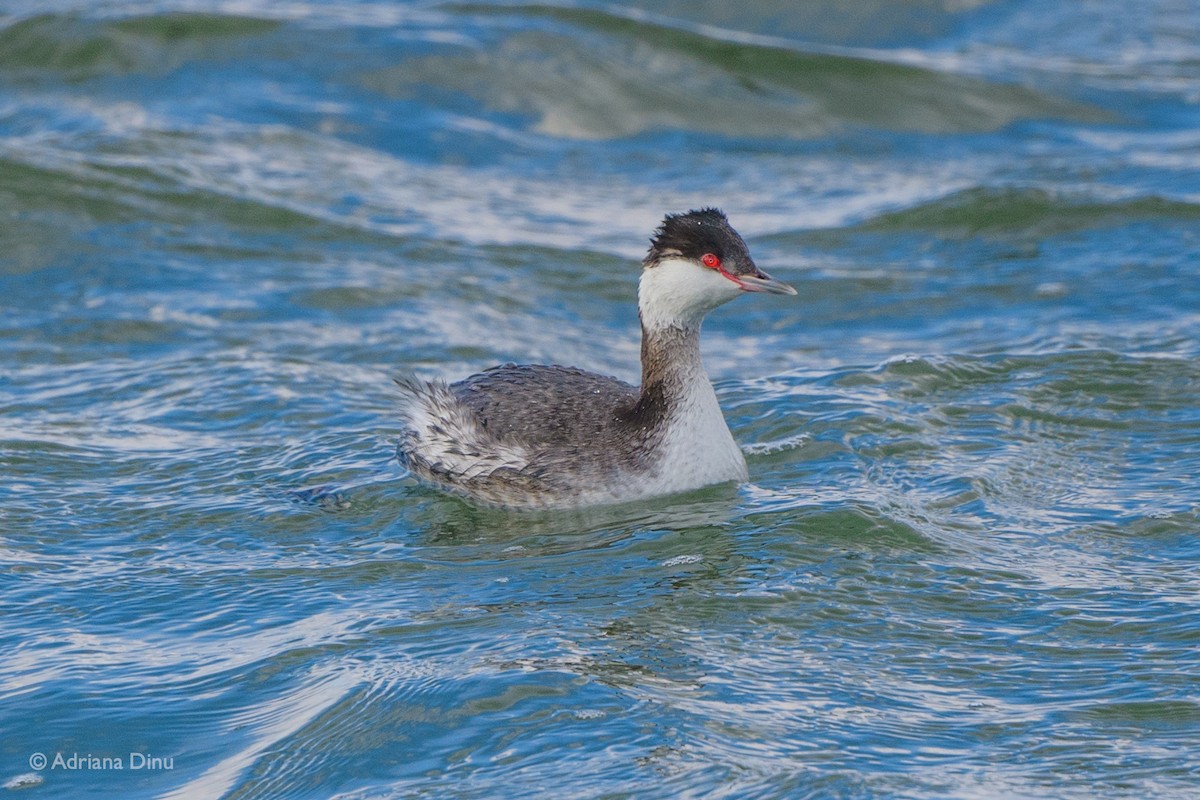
[538,437]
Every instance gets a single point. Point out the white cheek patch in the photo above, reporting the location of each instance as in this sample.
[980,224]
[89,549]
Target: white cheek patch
[679,293]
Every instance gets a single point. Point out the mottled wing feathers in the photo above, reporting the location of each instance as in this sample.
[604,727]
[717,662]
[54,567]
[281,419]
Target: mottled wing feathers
[442,439]
[526,436]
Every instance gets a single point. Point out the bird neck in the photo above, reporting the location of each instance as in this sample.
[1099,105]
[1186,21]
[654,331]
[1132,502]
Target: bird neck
[673,298]
[671,364]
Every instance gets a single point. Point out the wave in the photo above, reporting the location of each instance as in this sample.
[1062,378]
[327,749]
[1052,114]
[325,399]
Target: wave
[1035,212]
[78,48]
[597,74]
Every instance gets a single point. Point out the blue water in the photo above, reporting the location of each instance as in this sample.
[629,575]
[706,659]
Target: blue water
[966,565]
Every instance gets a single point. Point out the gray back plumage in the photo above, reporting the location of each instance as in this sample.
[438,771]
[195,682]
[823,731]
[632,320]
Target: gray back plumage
[546,405]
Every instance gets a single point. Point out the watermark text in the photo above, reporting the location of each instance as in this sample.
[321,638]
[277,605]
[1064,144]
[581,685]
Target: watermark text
[87,762]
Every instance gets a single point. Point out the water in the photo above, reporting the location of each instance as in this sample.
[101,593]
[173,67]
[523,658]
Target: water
[966,565]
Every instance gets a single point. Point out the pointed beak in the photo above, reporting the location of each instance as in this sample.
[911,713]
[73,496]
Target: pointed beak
[762,282]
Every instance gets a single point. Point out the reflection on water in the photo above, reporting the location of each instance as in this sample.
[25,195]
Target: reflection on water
[964,565]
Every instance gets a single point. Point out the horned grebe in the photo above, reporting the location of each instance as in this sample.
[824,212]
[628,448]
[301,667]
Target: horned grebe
[532,437]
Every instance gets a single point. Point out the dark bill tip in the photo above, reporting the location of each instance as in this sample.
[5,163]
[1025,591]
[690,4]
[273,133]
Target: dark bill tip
[762,282]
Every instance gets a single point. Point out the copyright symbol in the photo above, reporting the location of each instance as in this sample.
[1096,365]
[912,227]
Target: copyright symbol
[37,761]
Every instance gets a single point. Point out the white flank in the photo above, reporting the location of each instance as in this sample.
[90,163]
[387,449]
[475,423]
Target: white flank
[698,449]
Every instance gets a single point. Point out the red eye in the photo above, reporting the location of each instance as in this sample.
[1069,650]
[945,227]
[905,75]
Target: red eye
[710,260]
